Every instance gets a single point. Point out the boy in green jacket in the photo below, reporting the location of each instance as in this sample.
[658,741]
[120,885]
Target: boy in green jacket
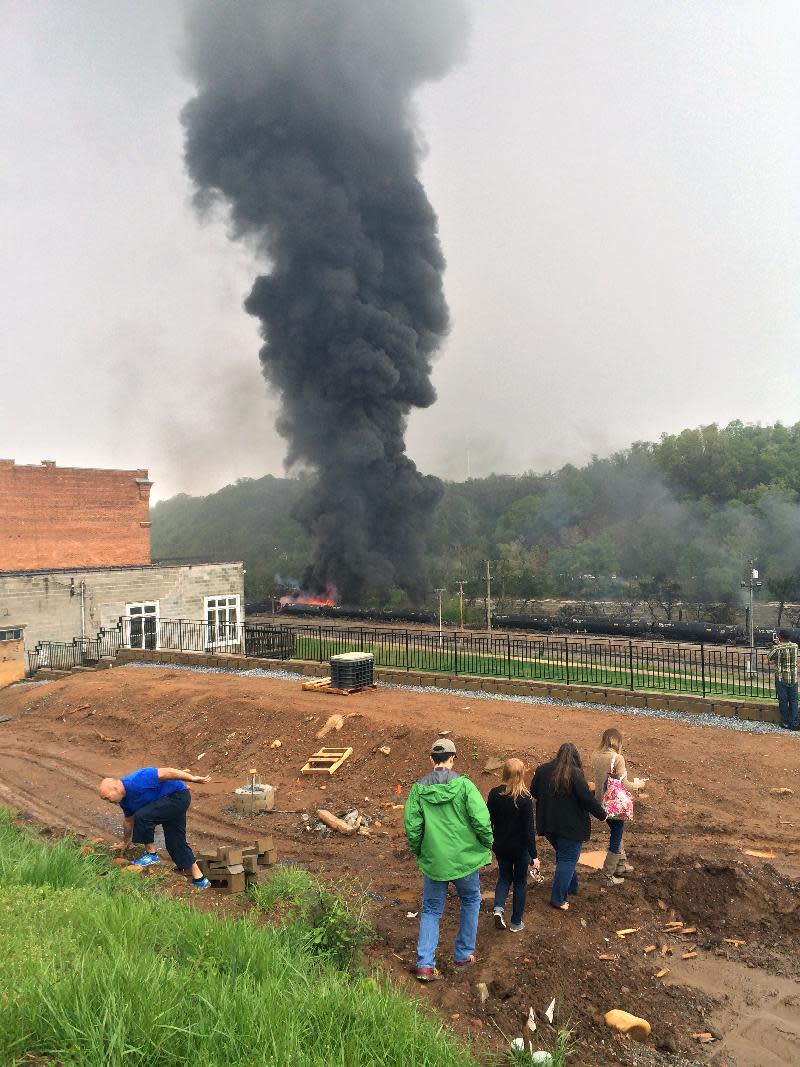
[449,831]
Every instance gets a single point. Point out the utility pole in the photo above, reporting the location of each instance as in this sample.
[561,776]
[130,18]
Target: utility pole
[751,585]
[461,585]
[488,596]
[440,591]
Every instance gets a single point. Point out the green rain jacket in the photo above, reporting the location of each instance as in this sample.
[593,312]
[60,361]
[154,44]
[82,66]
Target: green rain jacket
[447,826]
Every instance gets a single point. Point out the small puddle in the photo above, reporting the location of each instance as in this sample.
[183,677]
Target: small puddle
[758,1014]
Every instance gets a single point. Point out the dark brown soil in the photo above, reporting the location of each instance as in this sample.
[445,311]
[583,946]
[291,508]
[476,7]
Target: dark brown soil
[708,799]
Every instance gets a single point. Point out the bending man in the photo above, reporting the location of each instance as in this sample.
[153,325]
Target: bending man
[150,797]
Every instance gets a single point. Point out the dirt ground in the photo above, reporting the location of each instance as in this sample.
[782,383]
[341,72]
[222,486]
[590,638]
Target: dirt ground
[708,799]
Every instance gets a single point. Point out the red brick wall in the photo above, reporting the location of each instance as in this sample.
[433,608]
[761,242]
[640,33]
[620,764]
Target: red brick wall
[52,517]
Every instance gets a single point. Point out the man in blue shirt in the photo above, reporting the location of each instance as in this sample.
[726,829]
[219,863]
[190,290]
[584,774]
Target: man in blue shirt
[150,797]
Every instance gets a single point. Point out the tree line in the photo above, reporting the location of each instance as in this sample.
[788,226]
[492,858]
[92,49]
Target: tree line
[658,524]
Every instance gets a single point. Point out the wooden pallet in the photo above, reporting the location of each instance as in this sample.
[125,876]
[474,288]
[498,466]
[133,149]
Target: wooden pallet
[323,685]
[326,761]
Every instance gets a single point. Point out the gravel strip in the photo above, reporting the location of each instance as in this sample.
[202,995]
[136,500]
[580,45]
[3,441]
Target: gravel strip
[721,722]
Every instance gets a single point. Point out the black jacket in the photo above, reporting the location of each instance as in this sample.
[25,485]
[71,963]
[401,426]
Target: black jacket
[564,814]
[513,824]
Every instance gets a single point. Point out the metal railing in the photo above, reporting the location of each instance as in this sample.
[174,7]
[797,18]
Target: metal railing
[635,665]
[186,635]
[572,660]
[79,652]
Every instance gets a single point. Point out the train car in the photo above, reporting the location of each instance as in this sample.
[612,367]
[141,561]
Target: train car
[542,623]
[608,625]
[697,632]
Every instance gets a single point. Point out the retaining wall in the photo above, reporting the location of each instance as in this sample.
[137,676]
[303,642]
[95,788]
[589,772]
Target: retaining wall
[683,702]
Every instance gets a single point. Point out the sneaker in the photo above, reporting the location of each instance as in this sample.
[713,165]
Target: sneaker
[516,927]
[427,974]
[499,921]
[147,860]
[465,963]
[201,883]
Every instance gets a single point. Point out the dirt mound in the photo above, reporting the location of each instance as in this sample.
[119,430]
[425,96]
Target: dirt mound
[66,735]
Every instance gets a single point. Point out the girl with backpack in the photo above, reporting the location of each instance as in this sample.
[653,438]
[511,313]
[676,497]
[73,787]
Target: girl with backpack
[613,788]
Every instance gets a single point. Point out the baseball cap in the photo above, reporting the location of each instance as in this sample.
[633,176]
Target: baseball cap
[443,747]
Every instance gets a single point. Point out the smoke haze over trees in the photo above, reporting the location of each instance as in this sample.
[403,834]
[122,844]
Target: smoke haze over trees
[303,127]
[655,524]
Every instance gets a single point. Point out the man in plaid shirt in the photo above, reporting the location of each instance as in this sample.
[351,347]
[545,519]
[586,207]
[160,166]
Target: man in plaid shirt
[783,657]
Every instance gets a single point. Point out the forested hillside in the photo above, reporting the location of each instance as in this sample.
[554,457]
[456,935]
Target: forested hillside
[655,522]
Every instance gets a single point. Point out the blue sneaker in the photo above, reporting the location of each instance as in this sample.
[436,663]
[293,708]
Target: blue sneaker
[147,860]
[201,883]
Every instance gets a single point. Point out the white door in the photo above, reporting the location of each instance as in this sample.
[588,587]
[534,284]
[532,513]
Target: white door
[142,624]
[222,620]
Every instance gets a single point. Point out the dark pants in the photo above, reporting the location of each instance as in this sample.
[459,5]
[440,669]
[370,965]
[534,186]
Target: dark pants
[787,702]
[615,829]
[512,871]
[565,880]
[169,812]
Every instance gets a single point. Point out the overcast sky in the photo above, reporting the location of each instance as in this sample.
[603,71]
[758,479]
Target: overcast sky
[616,184]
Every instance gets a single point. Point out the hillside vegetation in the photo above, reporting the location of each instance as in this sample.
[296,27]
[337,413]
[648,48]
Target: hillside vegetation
[654,523]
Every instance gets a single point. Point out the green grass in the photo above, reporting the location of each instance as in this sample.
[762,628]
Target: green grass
[100,972]
[669,679]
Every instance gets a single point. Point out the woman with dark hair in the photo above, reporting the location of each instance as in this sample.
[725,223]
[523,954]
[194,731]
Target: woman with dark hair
[563,805]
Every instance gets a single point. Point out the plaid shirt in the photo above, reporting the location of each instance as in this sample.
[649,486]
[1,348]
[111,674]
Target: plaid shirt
[784,659]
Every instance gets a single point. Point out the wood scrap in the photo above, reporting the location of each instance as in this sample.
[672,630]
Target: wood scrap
[334,722]
[704,1038]
[648,949]
[735,941]
[326,761]
[662,973]
[334,822]
[629,930]
[687,931]
[689,956]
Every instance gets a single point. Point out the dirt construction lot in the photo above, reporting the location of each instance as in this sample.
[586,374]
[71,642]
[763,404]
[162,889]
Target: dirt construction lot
[709,799]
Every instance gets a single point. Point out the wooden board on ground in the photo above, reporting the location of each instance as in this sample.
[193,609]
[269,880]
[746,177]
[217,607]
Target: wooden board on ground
[323,685]
[326,761]
[595,860]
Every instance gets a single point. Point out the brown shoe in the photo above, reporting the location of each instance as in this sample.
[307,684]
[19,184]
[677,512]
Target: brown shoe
[465,963]
[427,974]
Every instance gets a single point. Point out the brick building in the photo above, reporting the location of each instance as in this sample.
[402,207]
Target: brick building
[57,517]
[75,558]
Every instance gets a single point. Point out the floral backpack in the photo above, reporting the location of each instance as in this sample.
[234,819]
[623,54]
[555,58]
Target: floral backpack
[616,799]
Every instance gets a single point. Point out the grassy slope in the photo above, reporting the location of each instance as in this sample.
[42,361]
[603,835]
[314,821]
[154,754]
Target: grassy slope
[99,972]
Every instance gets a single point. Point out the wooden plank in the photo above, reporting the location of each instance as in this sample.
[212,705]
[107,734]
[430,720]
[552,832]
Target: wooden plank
[326,761]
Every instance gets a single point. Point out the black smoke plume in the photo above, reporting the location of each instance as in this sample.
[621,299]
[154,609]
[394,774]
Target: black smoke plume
[303,125]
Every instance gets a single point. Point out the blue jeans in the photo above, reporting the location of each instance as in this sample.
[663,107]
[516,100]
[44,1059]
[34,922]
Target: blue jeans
[787,702]
[615,829]
[565,880]
[512,871]
[434,898]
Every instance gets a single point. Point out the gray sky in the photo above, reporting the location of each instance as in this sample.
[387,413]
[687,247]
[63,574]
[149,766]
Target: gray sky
[616,184]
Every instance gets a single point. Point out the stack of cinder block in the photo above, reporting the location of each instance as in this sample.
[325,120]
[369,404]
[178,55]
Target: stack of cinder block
[234,867]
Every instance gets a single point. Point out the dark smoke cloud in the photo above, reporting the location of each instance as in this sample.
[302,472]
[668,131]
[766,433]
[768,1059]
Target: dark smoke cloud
[303,125]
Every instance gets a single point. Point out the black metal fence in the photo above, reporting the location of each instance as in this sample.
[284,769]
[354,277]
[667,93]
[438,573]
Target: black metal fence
[666,667]
[79,652]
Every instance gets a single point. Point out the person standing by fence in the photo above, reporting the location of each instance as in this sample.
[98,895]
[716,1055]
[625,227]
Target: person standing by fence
[514,828]
[783,657]
[564,802]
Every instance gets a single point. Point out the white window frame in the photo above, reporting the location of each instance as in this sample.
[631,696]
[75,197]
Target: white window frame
[233,637]
[157,615]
